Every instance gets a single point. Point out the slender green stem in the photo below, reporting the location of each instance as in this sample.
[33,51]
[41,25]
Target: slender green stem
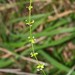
[31,37]
[32,47]
[43,72]
[30,31]
[30,19]
[30,12]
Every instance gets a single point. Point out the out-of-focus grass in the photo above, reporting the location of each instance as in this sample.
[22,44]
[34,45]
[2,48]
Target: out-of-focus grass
[12,39]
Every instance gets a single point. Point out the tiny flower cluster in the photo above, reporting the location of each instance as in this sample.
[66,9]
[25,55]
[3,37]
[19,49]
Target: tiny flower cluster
[33,54]
[30,7]
[30,23]
[40,67]
[32,39]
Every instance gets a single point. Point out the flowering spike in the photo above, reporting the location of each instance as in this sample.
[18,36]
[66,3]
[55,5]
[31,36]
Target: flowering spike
[32,39]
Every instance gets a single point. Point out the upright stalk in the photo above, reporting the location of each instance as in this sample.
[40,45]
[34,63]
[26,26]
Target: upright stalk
[34,54]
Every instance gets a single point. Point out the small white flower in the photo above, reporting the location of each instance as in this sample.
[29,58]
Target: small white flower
[29,37]
[25,20]
[30,25]
[33,37]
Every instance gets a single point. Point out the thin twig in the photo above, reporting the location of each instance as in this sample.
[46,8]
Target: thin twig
[24,58]
[15,71]
[70,72]
[65,13]
[5,50]
[34,61]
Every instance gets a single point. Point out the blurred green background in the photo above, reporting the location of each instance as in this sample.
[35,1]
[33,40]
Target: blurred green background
[54,30]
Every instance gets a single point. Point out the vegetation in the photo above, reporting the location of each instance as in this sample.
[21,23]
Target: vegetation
[54,37]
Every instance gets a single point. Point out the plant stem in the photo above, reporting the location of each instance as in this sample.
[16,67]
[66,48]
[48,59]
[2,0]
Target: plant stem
[32,45]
